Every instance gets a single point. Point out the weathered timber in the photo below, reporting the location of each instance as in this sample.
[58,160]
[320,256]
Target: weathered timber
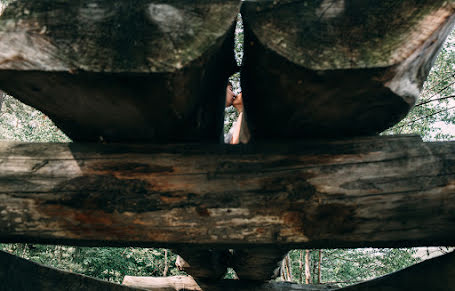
[202,262]
[18,274]
[162,283]
[436,274]
[258,263]
[180,283]
[379,191]
[253,263]
[337,68]
[134,70]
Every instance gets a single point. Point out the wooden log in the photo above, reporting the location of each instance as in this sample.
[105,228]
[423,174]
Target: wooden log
[337,68]
[379,191]
[203,263]
[434,274]
[19,274]
[258,263]
[180,283]
[162,283]
[133,70]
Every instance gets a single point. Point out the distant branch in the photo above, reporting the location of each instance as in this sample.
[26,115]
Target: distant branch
[437,99]
[426,116]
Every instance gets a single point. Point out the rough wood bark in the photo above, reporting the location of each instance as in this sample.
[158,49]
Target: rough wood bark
[434,274]
[202,262]
[379,191]
[22,275]
[121,70]
[181,283]
[337,68]
[258,263]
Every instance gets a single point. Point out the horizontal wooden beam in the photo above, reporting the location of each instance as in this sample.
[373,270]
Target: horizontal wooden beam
[379,191]
[19,274]
[180,283]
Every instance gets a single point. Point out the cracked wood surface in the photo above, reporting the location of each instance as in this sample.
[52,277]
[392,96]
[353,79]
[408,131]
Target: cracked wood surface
[379,191]
[337,68]
[139,70]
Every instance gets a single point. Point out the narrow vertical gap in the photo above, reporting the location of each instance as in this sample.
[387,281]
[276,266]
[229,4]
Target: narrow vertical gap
[235,128]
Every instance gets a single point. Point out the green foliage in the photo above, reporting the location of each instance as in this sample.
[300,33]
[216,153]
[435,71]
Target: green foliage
[230,113]
[348,266]
[434,113]
[20,122]
[110,264]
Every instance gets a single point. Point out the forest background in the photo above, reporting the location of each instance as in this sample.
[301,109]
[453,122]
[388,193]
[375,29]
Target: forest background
[433,118]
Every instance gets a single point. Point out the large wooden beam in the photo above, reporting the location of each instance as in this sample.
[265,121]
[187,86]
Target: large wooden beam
[379,191]
[138,70]
[337,67]
[19,274]
[180,283]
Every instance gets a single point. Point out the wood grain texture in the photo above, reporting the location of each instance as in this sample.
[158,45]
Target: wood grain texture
[136,70]
[180,283]
[337,68]
[379,191]
[202,262]
[19,274]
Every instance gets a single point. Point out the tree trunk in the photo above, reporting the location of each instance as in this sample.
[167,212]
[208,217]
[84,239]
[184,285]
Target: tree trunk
[307,267]
[301,267]
[300,195]
[134,70]
[319,266]
[166,267]
[337,68]
[314,264]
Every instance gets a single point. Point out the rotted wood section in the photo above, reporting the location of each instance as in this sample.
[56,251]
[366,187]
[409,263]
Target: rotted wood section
[378,192]
[337,68]
[138,70]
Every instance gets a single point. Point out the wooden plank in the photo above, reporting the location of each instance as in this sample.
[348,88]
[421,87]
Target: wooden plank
[434,274]
[162,283]
[337,68]
[187,283]
[379,191]
[134,70]
[19,274]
